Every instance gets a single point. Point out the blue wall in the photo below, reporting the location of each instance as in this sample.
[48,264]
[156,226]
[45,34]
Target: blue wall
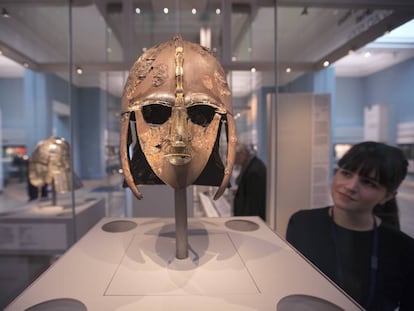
[393,86]
[27,105]
[11,102]
[89,126]
[349,102]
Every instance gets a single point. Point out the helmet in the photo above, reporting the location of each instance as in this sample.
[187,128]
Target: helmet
[50,163]
[175,101]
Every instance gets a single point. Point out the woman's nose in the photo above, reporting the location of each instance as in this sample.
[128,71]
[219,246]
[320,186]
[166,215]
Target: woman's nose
[352,183]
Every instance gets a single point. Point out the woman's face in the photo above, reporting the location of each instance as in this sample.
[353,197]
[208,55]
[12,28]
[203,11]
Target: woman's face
[353,192]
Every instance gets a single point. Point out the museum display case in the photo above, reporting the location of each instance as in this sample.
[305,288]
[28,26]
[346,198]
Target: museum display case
[233,264]
[71,61]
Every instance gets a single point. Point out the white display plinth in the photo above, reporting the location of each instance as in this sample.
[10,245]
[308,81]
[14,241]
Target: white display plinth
[42,229]
[234,264]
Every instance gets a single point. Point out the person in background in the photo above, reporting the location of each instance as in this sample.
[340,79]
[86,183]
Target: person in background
[250,196]
[371,260]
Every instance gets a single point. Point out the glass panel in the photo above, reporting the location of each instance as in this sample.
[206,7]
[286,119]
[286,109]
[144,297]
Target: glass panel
[41,30]
[337,88]
[36,210]
[299,123]
[252,33]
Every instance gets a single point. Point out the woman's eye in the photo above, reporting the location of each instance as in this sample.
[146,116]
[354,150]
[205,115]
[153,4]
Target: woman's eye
[201,114]
[345,173]
[369,183]
[156,113]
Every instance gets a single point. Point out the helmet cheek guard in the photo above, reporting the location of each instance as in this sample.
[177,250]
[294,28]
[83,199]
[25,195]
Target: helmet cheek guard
[174,105]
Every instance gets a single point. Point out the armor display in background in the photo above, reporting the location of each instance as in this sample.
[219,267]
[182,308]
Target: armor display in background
[175,101]
[50,164]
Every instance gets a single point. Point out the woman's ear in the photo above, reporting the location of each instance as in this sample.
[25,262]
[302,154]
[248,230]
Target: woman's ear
[388,196]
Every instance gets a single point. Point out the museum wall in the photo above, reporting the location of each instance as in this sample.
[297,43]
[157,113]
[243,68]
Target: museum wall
[11,102]
[392,87]
[89,133]
[28,104]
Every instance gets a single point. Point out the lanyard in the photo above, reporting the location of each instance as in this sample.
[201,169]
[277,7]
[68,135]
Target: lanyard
[373,263]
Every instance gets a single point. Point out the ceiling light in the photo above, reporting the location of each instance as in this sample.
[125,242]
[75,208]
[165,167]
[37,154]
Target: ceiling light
[326,63]
[218,11]
[137,10]
[79,70]
[304,11]
[288,69]
[233,58]
[194,11]
[253,69]
[367,54]
[25,65]
[351,51]
[165,10]
[5,13]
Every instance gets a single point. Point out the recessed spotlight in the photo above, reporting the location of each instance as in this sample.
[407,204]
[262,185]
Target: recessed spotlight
[288,69]
[165,10]
[193,11]
[137,10]
[326,63]
[79,70]
[218,11]
[253,69]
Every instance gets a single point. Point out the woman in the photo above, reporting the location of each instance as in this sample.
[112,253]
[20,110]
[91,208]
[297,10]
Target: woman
[372,261]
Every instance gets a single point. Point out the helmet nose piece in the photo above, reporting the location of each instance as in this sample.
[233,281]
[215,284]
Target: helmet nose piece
[179,138]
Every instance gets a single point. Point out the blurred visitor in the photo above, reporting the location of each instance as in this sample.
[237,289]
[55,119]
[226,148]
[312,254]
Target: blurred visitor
[250,196]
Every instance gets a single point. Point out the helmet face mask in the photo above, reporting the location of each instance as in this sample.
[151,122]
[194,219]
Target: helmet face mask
[178,97]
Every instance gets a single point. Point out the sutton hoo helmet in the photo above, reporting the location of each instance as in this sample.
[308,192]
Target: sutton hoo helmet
[50,163]
[175,101]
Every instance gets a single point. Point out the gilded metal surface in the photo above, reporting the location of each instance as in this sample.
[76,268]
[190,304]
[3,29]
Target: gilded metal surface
[50,163]
[177,98]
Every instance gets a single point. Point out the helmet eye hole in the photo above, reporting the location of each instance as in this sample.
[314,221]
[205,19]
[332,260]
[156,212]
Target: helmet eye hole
[156,113]
[201,114]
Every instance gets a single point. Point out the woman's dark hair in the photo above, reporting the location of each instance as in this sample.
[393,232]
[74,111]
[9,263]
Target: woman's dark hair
[388,163]
[390,168]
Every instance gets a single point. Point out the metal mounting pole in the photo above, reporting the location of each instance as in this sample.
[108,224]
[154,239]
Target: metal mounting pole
[54,196]
[181,235]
